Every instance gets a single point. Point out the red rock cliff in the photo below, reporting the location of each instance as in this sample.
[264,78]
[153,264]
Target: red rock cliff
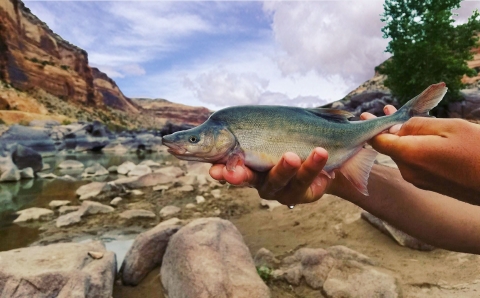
[31,55]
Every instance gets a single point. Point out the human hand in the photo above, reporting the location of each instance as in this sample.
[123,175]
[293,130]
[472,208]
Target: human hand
[290,181]
[436,154]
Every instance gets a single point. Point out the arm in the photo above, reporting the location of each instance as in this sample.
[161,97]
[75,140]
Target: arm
[431,217]
[441,155]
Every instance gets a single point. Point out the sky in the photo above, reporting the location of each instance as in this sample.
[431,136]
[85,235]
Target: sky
[224,53]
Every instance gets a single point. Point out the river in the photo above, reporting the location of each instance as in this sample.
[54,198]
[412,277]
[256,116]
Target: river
[38,192]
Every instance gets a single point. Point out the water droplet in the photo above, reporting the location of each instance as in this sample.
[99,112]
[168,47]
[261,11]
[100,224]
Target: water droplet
[291,206]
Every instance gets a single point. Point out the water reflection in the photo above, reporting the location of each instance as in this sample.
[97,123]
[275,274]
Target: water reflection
[38,192]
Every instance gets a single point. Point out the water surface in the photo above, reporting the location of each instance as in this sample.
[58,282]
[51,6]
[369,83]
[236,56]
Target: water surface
[38,192]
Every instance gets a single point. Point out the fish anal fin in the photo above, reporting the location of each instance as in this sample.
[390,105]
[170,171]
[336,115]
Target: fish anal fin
[357,169]
[331,114]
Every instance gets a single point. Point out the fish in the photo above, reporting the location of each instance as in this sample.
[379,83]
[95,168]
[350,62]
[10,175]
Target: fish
[257,136]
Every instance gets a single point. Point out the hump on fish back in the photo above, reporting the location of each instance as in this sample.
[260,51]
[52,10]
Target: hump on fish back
[331,114]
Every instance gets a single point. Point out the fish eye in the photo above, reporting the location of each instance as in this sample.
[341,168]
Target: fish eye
[193,139]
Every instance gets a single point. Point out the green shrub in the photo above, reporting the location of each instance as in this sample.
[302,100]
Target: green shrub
[265,273]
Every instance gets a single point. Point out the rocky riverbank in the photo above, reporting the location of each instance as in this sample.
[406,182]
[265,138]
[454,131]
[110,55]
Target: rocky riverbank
[187,229]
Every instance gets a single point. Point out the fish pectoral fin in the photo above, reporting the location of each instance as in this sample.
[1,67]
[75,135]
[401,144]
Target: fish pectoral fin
[357,169]
[233,159]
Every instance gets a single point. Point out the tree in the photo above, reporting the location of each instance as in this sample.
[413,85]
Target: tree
[427,47]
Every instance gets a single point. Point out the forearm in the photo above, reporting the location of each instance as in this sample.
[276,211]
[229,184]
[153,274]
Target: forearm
[433,218]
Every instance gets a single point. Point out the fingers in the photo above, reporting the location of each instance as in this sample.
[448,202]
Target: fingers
[367,116]
[281,174]
[386,144]
[420,126]
[241,176]
[389,109]
[309,177]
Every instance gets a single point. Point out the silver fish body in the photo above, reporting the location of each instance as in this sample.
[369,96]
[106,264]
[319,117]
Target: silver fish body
[258,136]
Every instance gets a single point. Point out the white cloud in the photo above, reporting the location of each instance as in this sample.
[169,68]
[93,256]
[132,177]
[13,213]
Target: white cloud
[228,53]
[329,37]
[221,88]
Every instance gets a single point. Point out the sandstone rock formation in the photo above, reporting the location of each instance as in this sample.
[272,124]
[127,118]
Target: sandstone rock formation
[38,62]
[209,256]
[57,270]
[32,56]
[147,252]
[165,112]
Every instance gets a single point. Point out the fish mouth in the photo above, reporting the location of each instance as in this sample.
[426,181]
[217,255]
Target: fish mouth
[173,148]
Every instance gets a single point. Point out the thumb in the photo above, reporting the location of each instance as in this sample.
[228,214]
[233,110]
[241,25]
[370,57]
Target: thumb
[388,144]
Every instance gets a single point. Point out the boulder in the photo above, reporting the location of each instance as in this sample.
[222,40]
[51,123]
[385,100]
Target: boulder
[355,280]
[338,271]
[152,179]
[57,270]
[140,170]
[32,214]
[116,201]
[36,139]
[69,218]
[171,171]
[137,213]
[95,170]
[264,257]
[209,256]
[468,108]
[8,170]
[70,164]
[67,209]
[160,187]
[27,173]
[58,203]
[200,199]
[112,169]
[169,211]
[185,188]
[89,207]
[116,148]
[147,252]
[92,136]
[125,167]
[216,193]
[46,175]
[149,163]
[311,264]
[92,190]
[341,252]
[12,174]
[25,157]
[44,123]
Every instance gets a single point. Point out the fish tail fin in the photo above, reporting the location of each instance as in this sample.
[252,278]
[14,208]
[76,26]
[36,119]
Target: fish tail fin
[421,104]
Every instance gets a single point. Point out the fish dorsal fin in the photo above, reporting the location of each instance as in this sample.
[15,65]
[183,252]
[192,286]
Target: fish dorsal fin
[331,114]
[357,169]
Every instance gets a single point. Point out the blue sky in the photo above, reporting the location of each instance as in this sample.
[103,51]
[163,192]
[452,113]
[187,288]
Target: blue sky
[224,53]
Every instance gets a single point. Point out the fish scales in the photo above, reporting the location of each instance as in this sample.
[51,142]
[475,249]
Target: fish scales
[258,136]
[275,130]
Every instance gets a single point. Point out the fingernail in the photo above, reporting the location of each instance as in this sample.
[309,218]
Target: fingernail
[286,165]
[317,158]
